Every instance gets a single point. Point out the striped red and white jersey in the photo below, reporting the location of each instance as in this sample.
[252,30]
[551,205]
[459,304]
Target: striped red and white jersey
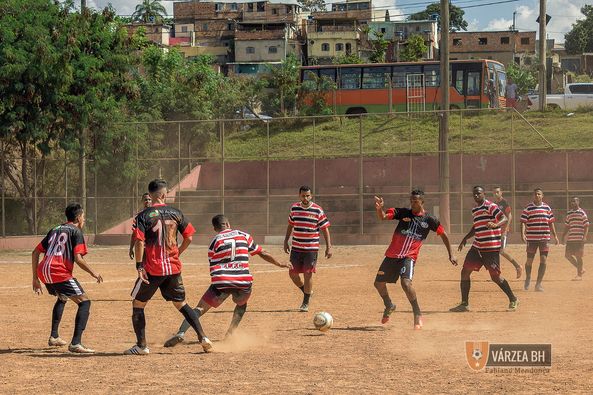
[228,256]
[537,220]
[60,246]
[576,221]
[307,222]
[486,239]
[410,231]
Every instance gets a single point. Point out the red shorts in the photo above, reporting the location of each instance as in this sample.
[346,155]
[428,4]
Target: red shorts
[215,296]
[533,246]
[303,261]
[475,259]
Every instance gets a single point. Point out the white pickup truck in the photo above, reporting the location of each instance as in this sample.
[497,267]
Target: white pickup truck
[575,95]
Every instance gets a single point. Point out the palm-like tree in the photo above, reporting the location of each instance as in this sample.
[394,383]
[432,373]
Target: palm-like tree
[147,9]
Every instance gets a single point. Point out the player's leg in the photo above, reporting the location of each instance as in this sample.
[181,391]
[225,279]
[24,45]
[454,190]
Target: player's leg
[541,271]
[579,253]
[406,275]
[296,259]
[531,250]
[569,255]
[141,294]
[240,297]
[309,262]
[492,263]
[388,273]
[82,317]
[473,262]
[205,303]
[307,291]
[509,258]
[56,317]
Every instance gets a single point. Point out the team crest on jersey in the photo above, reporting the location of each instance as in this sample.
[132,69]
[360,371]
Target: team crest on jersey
[153,214]
[424,224]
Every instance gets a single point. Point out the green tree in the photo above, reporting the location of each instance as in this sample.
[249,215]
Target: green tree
[580,37]
[149,9]
[379,45]
[284,80]
[525,78]
[348,59]
[313,94]
[456,21]
[414,49]
[312,5]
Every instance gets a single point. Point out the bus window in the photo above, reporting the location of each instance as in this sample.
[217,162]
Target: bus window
[502,83]
[398,77]
[308,75]
[375,77]
[473,83]
[350,77]
[431,75]
[459,81]
[328,73]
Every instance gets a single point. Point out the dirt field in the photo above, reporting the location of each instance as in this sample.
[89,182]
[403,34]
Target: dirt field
[278,351]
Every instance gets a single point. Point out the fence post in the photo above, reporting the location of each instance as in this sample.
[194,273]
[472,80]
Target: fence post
[221,166]
[461,224]
[567,179]
[410,151]
[360,176]
[268,179]
[179,163]
[2,187]
[34,192]
[513,164]
[96,198]
[136,188]
[314,154]
[65,178]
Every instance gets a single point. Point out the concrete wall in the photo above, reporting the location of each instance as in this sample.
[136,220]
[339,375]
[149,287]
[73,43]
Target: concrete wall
[261,52]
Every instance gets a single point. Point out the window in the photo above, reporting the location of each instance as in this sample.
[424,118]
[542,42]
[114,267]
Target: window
[417,28]
[205,27]
[260,6]
[325,47]
[308,75]
[399,75]
[505,40]
[272,50]
[382,30]
[234,7]
[217,7]
[249,7]
[456,42]
[183,29]
[527,61]
[459,81]
[375,77]
[328,73]
[482,41]
[250,50]
[473,83]
[274,11]
[348,48]
[583,89]
[229,26]
[339,47]
[524,40]
[350,78]
[289,9]
[431,75]
[517,60]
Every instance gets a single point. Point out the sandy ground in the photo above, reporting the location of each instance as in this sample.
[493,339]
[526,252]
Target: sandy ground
[277,350]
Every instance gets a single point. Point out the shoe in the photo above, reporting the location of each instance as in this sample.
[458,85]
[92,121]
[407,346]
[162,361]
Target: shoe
[304,308]
[80,349]
[56,342]
[175,340]
[513,305]
[386,313]
[461,308]
[526,285]
[418,323]
[206,344]
[519,271]
[577,278]
[539,288]
[137,350]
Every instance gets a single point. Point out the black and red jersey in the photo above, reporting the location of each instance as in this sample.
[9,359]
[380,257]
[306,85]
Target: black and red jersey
[60,246]
[157,226]
[411,230]
[505,207]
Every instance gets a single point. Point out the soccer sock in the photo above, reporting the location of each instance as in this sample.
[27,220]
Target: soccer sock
[82,317]
[465,286]
[302,288]
[573,261]
[540,272]
[185,324]
[56,317]
[579,266]
[237,317]
[139,323]
[306,298]
[192,318]
[415,307]
[386,300]
[504,285]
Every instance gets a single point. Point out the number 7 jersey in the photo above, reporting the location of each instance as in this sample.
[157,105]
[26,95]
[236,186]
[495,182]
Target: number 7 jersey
[157,226]
[60,246]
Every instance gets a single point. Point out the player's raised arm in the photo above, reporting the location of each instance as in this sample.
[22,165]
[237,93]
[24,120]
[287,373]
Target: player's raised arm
[34,263]
[78,258]
[266,256]
[379,209]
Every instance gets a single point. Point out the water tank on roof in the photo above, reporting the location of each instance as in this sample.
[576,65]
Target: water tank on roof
[434,17]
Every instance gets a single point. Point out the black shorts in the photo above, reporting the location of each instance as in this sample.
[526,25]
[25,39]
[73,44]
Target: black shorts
[214,296]
[575,248]
[303,261]
[65,289]
[171,287]
[475,259]
[392,269]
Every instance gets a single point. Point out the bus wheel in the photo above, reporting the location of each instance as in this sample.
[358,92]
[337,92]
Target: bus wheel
[356,111]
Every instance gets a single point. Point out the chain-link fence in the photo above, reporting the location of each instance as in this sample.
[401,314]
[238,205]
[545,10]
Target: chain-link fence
[251,170]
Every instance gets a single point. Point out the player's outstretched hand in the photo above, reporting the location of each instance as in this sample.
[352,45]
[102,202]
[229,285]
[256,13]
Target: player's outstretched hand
[379,203]
[328,252]
[99,278]
[461,245]
[131,253]
[142,276]
[557,241]
[288,266]
[453,260]
[37,286]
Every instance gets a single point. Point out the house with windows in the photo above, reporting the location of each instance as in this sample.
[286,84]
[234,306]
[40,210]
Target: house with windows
[398,33]
[506,47]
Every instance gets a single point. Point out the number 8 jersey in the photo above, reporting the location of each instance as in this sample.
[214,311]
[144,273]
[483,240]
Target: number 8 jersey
[60,246]
[157,226]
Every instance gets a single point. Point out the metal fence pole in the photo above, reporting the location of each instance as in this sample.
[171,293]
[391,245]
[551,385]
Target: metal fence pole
[566,186]
[66,177]
[3,192]
[137,183]
[461,224]
[411,173]
[360,177]
[179,163]
[513,169]
[34,193]
[268,179]
[314,154]
[96,198]
[221,127]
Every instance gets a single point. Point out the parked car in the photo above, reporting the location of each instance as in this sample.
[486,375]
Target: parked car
[247,113]
[575,95]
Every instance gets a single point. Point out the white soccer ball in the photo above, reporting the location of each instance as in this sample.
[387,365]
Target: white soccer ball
[477,354]
[323,321]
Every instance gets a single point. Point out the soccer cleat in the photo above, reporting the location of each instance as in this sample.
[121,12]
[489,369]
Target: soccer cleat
[80,349]
[137,350]
[206,344]
[175,340]
[418,322]
[56,342]
[513,305]
[578,278]
[539,288]
[387,313]
[519,269]
[304,308]
[460,308]
[526,285]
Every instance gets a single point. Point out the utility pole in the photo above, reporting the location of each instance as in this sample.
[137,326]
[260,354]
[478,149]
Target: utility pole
[542,55]
[444,205]
[82,5]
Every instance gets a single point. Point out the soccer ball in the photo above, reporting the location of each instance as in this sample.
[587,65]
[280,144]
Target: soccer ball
[477,354]
[323,321]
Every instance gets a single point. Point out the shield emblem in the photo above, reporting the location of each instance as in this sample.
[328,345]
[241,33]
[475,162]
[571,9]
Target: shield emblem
[476,354]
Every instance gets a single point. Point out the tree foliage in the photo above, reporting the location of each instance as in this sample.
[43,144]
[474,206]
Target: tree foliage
[348,59]
[414,49]
[379,45]
[456,20]
[580,37]
[149,11]
[312,5]
[525,78]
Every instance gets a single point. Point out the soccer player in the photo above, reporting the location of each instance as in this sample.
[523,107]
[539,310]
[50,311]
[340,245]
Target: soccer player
[577,228]
[228,256]
[146,202]
[400,258]
[160,268]
[504,206]
[62,246]
[537,222]
[305,221]
[488,221]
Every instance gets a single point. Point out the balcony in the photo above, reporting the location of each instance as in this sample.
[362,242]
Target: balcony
[334,32]
[244,35]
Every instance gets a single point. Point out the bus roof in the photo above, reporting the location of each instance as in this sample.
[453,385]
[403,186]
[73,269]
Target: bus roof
[325,66]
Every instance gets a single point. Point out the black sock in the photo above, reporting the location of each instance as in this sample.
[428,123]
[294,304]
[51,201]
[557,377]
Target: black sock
[302,288]
[465,286]
[415,307]
[237,317]
[579,266]
[56,317]
[386,300]
[527,273]
[306,298]
[504,285]
[573,261]
[139,323]
[191,317]
[82,317]
[540,272]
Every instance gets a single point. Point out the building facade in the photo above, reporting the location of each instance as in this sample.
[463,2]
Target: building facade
[398,33]
[503,46]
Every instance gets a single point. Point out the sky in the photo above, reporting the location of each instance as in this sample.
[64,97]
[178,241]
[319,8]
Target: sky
[489,17]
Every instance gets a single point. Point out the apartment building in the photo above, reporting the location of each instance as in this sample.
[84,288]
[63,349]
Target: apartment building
[503,46]
[398,33]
